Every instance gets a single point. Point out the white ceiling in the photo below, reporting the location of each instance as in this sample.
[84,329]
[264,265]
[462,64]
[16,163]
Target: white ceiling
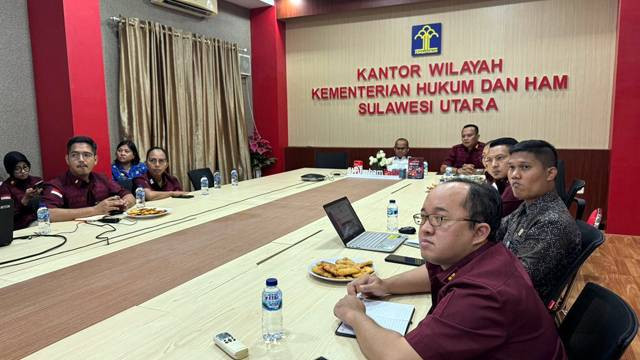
[252,4]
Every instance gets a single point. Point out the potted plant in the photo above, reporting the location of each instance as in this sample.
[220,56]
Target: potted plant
[260,153]
[379,161]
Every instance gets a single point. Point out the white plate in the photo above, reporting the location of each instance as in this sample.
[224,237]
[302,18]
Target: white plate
[167,211]
[333,261]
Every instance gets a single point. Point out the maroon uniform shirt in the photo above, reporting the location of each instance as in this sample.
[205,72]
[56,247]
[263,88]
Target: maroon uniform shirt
[15,189]
[460,155]
[169,183]
[485,307]
[70,192]
[509,201]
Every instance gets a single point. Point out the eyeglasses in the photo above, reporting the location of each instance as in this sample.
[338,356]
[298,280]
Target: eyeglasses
[437,220]
[78,155]
[157,161]
[19,169]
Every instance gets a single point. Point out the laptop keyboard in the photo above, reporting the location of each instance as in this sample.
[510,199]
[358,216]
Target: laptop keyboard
[373,240]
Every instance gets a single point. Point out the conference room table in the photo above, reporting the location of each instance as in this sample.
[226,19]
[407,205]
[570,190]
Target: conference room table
[163,287]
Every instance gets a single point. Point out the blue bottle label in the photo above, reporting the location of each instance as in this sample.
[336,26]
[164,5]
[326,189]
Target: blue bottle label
[272,301]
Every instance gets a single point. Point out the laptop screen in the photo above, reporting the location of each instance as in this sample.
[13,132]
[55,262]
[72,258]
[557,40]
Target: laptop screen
[6,222]
[344,219]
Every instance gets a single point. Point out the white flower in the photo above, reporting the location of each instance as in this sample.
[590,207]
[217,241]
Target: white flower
[372,160]
[380,154]
[389,161]
[383,162]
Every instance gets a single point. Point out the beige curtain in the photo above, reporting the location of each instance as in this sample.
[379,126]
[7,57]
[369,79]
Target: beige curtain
[183,92]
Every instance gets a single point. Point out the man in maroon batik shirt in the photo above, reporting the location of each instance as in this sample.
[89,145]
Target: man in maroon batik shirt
[483,303]
[496,162]
[80,192]
[465,158]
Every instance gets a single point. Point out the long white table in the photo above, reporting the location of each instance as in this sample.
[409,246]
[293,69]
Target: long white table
[181,322]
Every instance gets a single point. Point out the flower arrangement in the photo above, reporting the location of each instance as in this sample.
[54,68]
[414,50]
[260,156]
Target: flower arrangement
[379,161]
[260,151]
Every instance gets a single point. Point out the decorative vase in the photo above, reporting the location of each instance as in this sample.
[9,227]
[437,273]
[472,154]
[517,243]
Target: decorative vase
[257,172]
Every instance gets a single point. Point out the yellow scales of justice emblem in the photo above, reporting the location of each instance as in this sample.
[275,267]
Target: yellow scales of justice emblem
[426,33]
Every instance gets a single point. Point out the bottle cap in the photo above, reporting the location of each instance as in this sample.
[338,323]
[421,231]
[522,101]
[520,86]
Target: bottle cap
[272,282]
[392,201]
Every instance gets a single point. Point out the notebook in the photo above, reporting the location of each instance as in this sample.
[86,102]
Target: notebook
[352,233]
[389,315]
[6,222]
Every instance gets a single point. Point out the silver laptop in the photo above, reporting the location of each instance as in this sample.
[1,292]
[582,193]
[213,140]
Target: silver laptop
[352,233]
[6,222]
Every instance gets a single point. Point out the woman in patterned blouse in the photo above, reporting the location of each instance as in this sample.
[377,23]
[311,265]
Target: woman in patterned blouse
[127,163]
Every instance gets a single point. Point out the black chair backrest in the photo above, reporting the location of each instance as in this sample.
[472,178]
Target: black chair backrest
[590,239]
[331,160]
[599,325]
[561,186]
[576,185]
[197,174]
[127,184]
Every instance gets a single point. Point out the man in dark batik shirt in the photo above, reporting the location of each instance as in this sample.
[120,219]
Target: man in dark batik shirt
[540,232]
[465,158]
[80,192]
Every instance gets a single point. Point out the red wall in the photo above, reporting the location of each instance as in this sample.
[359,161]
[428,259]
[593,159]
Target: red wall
[269,81]
[66,45]
[624,206]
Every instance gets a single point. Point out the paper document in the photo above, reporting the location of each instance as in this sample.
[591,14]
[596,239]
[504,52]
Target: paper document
[389,315]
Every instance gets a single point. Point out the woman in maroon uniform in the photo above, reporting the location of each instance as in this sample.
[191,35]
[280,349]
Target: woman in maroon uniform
[157,182]
[20,187]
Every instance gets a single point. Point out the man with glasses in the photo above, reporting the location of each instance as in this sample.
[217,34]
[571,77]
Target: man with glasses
[80,192]
[496,163]
[483,303]
[541,231]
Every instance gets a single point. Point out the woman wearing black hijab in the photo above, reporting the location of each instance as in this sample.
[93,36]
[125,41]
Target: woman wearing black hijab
[19,187]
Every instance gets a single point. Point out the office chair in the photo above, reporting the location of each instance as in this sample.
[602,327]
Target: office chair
[331,160]
[197,174]
[569,197]
[576,186]
[590,239]
[599,325]
[127,184]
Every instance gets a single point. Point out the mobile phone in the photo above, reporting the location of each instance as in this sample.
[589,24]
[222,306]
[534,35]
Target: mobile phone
[39,185]
[185,196]
[404,260]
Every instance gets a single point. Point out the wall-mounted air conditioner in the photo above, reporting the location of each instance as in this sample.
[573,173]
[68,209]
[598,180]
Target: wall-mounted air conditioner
[244,62]
[201,8]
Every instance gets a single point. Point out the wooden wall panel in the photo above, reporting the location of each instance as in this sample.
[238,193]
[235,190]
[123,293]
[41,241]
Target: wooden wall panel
[574,37]
[287,9]
[589,165]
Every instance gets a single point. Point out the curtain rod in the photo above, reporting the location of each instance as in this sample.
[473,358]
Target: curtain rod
[119,20]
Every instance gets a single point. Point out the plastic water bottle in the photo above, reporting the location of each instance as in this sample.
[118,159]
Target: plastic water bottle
[272,329]
[234,177]
[217,180]
[426,168]
[44,221]
[204,185]
[140,200]
[449,171]
[392,216]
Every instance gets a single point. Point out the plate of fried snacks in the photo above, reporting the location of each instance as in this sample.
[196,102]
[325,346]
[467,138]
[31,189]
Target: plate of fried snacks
[147,212]
[340,269]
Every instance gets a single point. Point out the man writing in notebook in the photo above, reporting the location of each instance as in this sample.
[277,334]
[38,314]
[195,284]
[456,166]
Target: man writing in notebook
[483,303]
